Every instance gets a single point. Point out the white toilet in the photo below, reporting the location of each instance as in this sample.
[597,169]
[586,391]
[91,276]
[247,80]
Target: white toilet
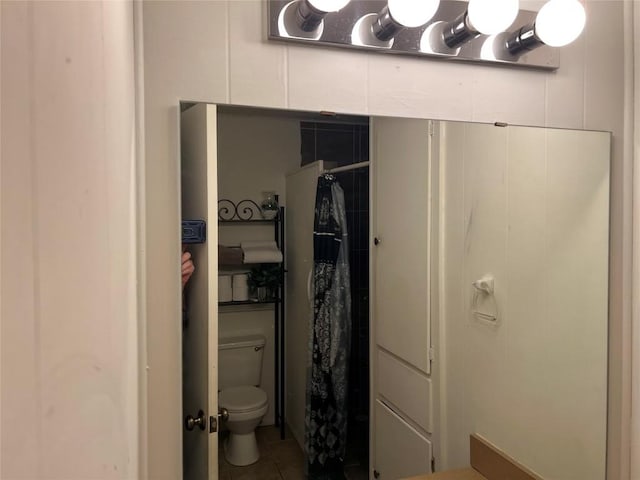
[240,367]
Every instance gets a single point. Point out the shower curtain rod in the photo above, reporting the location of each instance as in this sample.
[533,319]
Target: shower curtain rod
[348,167]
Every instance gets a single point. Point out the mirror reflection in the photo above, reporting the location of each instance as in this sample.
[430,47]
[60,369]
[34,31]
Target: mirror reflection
[420,282]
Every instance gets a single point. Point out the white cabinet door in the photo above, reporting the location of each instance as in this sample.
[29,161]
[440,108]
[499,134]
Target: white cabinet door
[401,207]
[401,365]
[401,451]
[200,334]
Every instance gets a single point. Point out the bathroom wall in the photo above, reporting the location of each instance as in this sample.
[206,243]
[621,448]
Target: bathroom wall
[531,207]
[216,51]
[69,350]
[255,151]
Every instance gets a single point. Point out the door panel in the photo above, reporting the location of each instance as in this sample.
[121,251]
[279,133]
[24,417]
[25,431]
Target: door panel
[401,365]
[402,206]
[406,388]
[301,195]
[401,451]
[200,330]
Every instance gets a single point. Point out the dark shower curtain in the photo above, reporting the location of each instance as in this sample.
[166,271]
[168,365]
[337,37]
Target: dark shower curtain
[329,336]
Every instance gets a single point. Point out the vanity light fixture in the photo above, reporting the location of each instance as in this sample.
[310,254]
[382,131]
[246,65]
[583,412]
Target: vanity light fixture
[495,31]
[312,12]
[304,18]
[400,14]
[482,17]
[379,29]
[558,23]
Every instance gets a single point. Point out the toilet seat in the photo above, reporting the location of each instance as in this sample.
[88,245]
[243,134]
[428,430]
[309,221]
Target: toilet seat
[242,399]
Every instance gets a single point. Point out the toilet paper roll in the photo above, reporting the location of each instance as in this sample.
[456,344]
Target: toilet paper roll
[240,287]
[225,292]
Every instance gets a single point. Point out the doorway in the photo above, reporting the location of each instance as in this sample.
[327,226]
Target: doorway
[258,151]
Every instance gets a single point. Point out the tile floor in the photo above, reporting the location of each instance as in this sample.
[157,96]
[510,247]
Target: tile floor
[279,460]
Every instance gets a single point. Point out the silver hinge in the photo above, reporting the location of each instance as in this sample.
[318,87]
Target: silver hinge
[431,128]
[432,354]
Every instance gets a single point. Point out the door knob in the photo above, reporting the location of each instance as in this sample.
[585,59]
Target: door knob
[223,416]
[190,423]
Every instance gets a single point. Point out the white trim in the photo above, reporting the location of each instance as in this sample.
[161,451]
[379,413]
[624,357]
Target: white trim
[139,231]
[373,227]
[631,247]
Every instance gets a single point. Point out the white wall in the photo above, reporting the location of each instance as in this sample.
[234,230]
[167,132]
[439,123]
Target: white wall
[216,51]
[69,335]
[255,152]
[531,207]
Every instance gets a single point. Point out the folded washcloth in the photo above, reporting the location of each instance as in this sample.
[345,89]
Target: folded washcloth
[261,252]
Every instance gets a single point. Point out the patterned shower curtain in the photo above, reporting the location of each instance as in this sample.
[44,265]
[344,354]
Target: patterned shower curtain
[329,336]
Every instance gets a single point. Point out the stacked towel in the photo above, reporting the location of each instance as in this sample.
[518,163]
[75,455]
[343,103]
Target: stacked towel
[240,287]
[225,292]
[261,252]
[229,255]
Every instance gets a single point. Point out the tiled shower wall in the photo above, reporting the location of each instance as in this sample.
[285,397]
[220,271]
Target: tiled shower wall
[345,144]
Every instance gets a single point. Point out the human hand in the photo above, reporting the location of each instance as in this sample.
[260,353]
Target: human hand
[187,267]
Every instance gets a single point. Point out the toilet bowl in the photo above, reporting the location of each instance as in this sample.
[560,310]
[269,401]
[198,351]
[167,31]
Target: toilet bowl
[246,406]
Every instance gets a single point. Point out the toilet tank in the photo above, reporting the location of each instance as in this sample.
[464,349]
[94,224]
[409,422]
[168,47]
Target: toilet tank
[240,361]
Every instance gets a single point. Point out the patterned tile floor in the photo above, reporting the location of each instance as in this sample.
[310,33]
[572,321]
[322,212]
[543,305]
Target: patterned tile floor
[279,460]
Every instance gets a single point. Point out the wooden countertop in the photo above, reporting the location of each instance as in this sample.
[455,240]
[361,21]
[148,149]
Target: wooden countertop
[463,474]
[488,459]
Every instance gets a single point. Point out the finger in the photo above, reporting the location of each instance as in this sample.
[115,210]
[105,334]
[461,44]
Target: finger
[186,256]
[188,268]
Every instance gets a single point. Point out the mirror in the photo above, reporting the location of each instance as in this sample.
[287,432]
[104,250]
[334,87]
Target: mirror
[530,207]
[517,269]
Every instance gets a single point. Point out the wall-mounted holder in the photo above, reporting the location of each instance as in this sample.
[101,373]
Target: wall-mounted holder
[368,25]
[483,305]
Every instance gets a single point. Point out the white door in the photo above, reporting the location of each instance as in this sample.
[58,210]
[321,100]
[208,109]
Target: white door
[200,330]
[301,195]
[401,385]
[401,219]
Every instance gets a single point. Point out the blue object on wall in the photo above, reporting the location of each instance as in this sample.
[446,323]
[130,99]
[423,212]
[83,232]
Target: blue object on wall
[194,231]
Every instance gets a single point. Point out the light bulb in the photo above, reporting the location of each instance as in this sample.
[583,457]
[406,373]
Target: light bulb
[413,13]
[560,22]
[328,5]
[492,16]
